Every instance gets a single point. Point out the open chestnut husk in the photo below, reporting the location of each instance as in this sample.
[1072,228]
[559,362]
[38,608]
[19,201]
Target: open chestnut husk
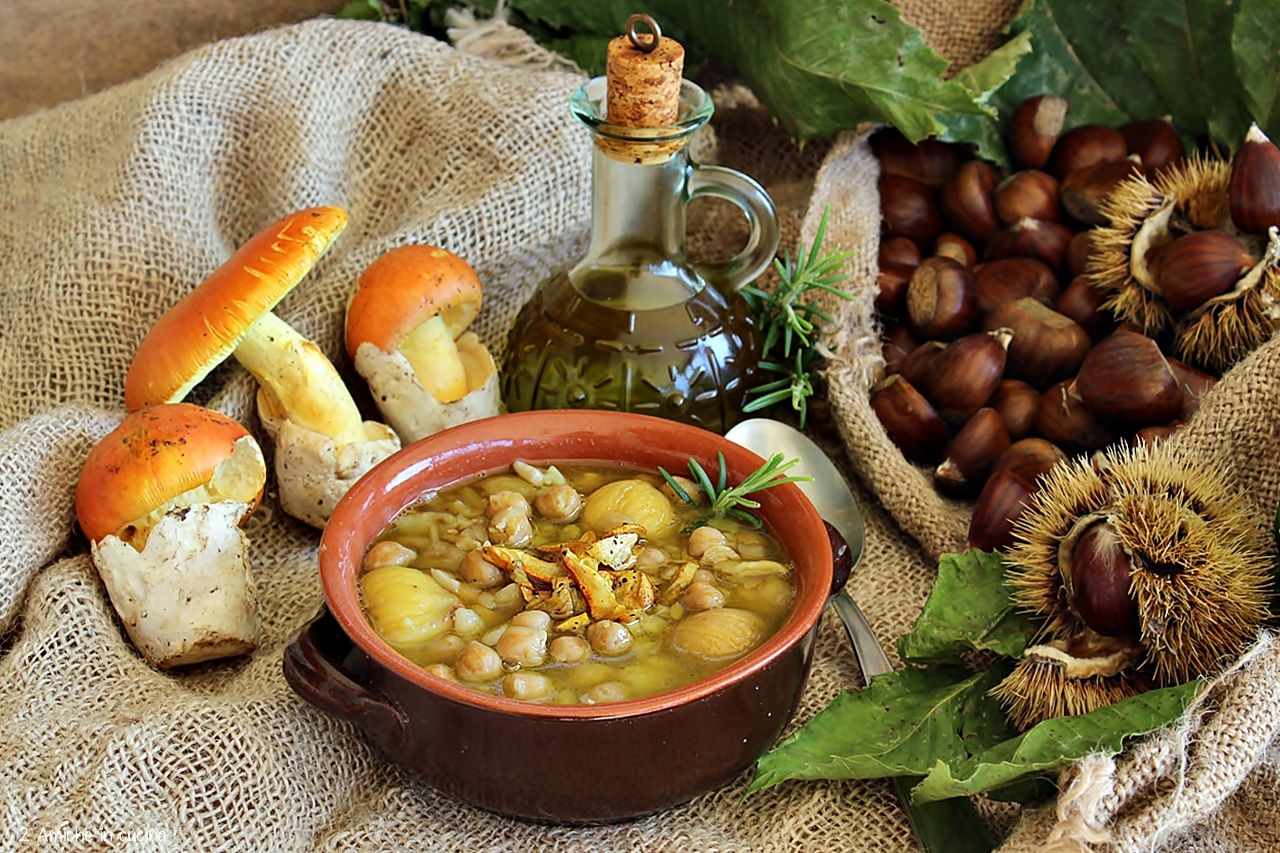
[971,453]
[1126,379]
[1254,191]
[911,423]
[1149,546]
[1035,127]
[965,374]
[941,301]
[1046,345]
[966,200]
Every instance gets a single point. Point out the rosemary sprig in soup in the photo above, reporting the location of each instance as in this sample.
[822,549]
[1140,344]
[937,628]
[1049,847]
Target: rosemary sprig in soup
[732,501]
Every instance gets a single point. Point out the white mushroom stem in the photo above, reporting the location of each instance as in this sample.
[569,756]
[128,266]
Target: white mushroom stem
[299,381]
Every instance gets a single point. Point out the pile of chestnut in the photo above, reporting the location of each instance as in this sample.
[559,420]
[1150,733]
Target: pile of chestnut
[999,360]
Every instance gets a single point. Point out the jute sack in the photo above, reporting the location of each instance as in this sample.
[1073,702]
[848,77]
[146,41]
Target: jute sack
[117,205]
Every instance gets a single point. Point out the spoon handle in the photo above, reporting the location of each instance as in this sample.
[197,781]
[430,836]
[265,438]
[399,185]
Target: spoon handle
[945,826]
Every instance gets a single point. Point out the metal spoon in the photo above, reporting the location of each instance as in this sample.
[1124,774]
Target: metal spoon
[946,826]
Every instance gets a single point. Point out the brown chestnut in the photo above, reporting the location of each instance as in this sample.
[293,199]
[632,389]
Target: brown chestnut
[1194,384]
[965,374]
[1002,501]
[899,250]
[929,161]
[1079,250]
[891,292]
[1155,142]
[1084,189]
[1126,379]
[970,454]
[910,422]
[896,343]
[1017,403]
[966,200]
[1035,127]
[909,209]
[956,248]
[1012,278]
[1253,195]
[1029,194]
[941,302]
[1064,420]
[1082,302]
[1030,458]
[1199,266]
[1153,435]
[1096,568]
[1046,346]
[1031,238]
[917,367]
[1084,146]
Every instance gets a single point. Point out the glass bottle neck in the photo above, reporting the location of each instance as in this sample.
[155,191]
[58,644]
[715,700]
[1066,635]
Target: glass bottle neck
[636,256]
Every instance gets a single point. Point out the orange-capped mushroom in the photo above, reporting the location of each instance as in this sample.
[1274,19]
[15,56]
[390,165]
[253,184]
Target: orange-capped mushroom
[323,443]
[406,332]
[162,498]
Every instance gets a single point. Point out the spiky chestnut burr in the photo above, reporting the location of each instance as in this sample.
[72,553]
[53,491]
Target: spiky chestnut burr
[1068,677]
[1144,218]
[1141,528]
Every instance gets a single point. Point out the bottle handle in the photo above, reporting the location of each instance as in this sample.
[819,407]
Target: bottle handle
[762,244]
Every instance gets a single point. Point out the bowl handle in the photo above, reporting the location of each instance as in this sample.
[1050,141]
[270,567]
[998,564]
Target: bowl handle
[313,667]
[841,559]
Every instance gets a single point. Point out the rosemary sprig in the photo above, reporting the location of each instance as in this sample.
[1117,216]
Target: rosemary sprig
[732,501]
[785,319]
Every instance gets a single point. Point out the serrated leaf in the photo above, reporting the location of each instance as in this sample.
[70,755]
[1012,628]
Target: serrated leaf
[1255,43]
[1055,743]
[901,724]
[820,67]
[969,608]
[1185,48]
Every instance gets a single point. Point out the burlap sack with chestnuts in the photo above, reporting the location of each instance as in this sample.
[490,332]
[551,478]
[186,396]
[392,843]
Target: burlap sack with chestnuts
[116,205]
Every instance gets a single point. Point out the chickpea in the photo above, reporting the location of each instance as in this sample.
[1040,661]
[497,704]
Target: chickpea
[559,503]
[441,670]
[521,646]
[609,638]
[478,663]
[539,620]
[703,538]
[388,553]
[607,691]
[704,576]
[479,571]
[569,648]
[511,527]
[499,501]
[702,596]
[444,649]
[526,686]
[650,557]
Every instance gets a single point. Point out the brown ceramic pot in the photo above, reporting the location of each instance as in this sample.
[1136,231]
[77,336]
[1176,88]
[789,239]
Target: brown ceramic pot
[556,763]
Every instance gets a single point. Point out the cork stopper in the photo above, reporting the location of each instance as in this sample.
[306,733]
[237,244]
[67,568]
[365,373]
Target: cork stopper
[644,72]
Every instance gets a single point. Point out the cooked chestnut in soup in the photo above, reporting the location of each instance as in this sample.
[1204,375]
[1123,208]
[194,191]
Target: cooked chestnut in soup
[573,584]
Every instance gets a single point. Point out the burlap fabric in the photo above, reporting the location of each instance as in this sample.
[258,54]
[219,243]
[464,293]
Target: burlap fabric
[118,204]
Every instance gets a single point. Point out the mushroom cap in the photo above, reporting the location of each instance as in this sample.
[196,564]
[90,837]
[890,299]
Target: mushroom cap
[405,287]
[155,455]
[198,333]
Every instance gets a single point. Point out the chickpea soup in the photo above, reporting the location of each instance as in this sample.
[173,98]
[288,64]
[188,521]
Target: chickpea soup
[573,584]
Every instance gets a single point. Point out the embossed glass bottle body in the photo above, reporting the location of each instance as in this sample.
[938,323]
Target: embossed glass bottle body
[635,325]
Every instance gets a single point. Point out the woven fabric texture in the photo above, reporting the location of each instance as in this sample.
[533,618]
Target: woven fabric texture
[120,203]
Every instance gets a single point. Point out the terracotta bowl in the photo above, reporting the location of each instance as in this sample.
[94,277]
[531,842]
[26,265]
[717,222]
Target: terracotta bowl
[556,763]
